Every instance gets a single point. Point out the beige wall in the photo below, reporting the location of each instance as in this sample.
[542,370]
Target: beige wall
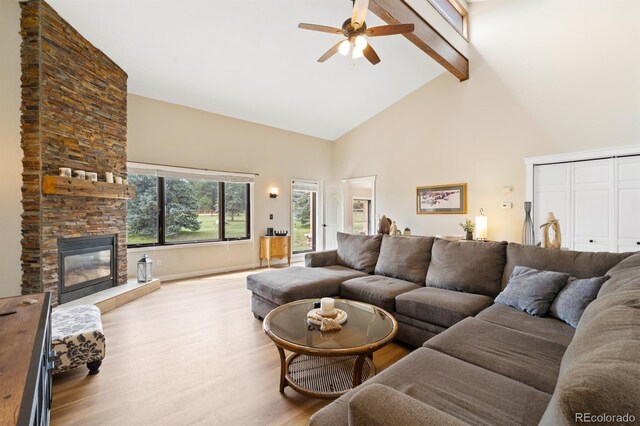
[164,133]
[10,151]
[546,77]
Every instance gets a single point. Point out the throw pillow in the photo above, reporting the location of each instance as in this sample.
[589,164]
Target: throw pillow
[573,299]
[531,290]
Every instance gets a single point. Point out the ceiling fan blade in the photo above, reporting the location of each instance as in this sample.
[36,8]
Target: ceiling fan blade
[386,30]
[371,54]
[321,28]
[359,13]
[329,53]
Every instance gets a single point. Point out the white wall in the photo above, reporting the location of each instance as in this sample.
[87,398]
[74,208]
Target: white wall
[546,77]
[10,151]
[164,133]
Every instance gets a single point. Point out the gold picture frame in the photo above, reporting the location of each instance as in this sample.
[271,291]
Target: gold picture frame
[442,199]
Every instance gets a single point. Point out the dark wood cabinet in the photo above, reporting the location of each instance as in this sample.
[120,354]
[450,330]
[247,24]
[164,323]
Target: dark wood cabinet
[25,360]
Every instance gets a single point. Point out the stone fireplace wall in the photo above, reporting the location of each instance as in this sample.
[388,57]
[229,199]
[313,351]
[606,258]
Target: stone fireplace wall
[74,114]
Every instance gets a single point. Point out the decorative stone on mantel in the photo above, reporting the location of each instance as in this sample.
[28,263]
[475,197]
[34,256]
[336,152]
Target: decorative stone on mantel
[74,114]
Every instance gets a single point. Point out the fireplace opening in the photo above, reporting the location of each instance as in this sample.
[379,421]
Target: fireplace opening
[86,265]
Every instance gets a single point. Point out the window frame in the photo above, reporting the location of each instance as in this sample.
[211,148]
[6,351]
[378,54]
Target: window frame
[161,218]
[464,15]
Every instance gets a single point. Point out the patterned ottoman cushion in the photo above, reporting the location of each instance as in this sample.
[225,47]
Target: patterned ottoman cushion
[76,336]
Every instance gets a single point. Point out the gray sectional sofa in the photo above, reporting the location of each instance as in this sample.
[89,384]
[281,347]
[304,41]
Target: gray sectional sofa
[477,362]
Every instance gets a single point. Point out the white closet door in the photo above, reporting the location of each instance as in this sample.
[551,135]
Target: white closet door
[628,197]
[552,193]
[593,205]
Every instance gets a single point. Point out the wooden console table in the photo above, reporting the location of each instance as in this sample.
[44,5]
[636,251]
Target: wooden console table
[275,248]
[25,360]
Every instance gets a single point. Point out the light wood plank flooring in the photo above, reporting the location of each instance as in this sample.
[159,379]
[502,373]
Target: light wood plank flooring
[189,353]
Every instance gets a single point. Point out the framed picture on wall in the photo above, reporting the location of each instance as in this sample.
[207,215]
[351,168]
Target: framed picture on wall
[442,199]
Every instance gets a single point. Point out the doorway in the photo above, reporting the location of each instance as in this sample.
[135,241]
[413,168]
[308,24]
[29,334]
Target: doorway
[304,216]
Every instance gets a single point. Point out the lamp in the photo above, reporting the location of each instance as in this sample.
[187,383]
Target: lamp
[145,269]
[481,226]
[273,192]
[344,48]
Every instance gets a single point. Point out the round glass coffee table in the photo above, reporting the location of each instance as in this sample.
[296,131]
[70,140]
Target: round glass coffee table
[328,364]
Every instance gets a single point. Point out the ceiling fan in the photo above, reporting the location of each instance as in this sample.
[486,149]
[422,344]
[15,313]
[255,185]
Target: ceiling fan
[355,29]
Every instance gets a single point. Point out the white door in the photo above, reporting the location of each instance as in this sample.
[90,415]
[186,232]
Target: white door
[552,193]
[333,214]
[593,205]
[628,201]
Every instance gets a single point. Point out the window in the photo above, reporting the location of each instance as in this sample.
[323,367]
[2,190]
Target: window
[173,209]
[303,216]
[452,12]
[361,212]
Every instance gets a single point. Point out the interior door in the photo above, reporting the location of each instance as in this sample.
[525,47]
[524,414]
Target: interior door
[593,205]
[552,193]
[628,183]
[333,214]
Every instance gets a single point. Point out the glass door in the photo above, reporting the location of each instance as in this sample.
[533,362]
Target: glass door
[304,200]
[361,216]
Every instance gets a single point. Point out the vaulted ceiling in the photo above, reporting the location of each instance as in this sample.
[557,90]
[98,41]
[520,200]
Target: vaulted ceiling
[247,59]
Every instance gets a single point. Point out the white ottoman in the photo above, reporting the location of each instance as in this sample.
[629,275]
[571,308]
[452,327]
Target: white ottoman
[77,338]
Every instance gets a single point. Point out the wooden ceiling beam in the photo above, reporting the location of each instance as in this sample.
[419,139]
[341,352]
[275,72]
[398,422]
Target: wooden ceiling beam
[424,36]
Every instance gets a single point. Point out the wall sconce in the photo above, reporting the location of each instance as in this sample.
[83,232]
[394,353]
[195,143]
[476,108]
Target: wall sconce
[481,226]
[273,192]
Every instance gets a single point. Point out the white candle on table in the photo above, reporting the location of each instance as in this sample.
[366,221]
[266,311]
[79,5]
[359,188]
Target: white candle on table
[326,305]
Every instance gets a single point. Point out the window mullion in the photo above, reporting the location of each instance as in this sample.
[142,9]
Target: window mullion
[221,214]
[161,212]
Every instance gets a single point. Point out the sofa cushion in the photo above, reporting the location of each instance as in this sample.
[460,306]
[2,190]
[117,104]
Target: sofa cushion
[286,285]
[406,258]
[624,274]
[545,327]
[520,356]
[531,290]
[359,252]
[575,263]
[470,393]
[377,290]
[472,267]
[600,372]
[440,306]
[574,297]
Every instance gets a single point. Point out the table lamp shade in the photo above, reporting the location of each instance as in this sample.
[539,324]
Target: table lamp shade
[481,227]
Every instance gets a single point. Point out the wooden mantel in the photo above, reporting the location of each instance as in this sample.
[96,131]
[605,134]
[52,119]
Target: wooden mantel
[59,185]
[424,36]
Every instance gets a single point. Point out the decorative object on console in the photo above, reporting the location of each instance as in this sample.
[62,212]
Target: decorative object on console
[468,227]
[269,232]
[273,192]
[528,234]
[65,171]
[145,269]
[442,199]
[554,224]
[281,233]
[79,174]
[481,226]
[407,232]
[393,229]
[384,226]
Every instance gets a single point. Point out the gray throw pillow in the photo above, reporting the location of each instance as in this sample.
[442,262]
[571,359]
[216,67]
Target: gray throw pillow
[359,252]
[573,299]
[531,290]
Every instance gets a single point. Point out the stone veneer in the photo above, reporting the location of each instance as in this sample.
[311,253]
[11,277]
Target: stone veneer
[74,114]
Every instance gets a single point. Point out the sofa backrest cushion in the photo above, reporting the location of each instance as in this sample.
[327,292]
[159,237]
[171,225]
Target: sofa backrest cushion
[576,263]
[472,267]
[359,252]
[405,258]
[600,370]
[624,274]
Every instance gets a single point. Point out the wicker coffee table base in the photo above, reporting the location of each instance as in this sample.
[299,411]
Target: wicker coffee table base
[324,376]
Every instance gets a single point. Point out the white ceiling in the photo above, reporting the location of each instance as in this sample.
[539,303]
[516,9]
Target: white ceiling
[247,59]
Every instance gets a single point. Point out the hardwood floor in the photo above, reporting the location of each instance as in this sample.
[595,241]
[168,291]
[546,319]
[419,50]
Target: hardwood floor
[189,353]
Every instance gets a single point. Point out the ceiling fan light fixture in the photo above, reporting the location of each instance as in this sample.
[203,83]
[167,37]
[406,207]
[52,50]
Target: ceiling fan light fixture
[360,42]
[344,48]
[357,53]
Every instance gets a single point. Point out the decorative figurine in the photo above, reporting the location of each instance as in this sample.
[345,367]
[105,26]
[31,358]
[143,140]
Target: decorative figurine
[552,223]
